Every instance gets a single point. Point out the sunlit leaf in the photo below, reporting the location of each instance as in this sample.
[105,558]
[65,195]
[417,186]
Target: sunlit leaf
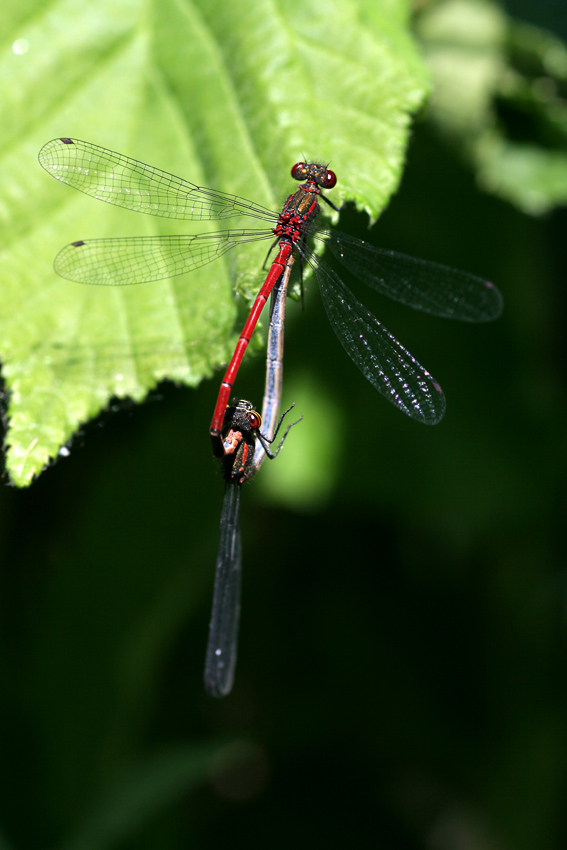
[226,95]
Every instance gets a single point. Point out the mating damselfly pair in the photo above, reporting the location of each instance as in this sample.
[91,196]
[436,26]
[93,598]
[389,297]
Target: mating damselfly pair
[390,368]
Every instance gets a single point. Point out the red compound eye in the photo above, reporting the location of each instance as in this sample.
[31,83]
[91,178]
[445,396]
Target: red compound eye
[331,179]
[254,420]
[298,171]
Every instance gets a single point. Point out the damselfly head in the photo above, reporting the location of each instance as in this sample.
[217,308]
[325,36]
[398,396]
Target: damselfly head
[314,173]
[241,415]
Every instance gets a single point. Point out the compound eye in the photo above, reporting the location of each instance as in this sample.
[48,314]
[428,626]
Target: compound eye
[331,179]
[298,171]
[255,420]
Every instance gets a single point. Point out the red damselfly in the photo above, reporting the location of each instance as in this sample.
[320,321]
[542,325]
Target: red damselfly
[389,367]
[240,434]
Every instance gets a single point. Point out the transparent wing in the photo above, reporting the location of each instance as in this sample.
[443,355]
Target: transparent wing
[139,259]
[420,284]
[220,659]
[124,182]
[380,357]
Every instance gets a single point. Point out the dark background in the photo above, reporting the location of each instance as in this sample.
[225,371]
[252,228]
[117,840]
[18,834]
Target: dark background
[401,675]
[550,14]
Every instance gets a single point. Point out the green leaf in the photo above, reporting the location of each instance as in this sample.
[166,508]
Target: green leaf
[500,97]
[306,477]
[226,95]
[143,792]
[4,843]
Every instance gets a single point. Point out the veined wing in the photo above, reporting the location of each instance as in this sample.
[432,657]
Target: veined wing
[426,286]
[124,182]
[388,366]
[140,259]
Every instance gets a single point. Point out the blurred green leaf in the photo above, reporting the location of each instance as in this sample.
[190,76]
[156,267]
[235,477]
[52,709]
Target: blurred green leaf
[141,793]
[305,477]
[4,844]
[500,96]
[226,95]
